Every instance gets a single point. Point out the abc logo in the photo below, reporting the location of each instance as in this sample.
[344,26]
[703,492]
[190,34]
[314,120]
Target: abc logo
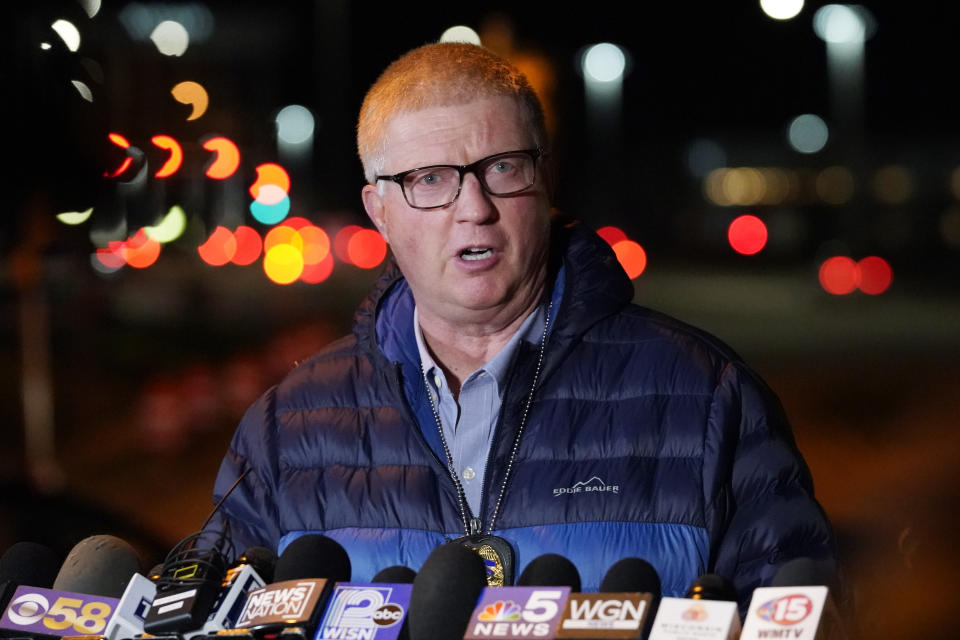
[388,615]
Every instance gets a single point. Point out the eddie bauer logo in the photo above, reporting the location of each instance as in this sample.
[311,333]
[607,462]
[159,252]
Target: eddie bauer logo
[593,485]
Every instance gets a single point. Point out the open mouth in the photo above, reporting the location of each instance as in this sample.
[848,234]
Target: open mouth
[476,253]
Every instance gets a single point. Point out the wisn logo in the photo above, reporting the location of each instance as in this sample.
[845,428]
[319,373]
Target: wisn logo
[593,485]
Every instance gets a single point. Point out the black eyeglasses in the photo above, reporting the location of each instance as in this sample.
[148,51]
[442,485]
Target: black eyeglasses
[501,174]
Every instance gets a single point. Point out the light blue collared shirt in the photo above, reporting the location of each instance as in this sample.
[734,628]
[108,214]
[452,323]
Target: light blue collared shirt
[468,426]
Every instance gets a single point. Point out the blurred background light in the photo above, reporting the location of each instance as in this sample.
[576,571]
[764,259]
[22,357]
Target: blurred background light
[295,125]
[75,217]
[834,185]
[874,275]
[893,184]
[140,19]
[747,235]
[704,156]
[839,275]
[342,240]
[366,248]
[219,248]
[283,264]
[270,213]
[460,33]
[249,246]
[631,257]
[171,38]
[317,273]
[170,227]
[612,235]
[68,33]
[282,234]
[83,90]
[604,62]
[270,175]
[781,9]
[808,133]
[173,162]
[193,94]
[226,158]
[949,227]
[840,24]
[316,244]
[90,7]
[141,251]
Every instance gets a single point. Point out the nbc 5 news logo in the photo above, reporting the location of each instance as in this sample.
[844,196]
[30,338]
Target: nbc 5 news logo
[359,612]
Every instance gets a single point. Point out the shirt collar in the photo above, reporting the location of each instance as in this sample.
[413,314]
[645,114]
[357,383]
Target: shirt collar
[531,330]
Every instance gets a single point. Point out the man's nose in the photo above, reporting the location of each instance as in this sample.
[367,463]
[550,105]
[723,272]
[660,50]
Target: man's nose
[474,204]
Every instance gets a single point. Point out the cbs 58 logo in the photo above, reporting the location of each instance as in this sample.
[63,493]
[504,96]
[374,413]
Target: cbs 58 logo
[87,618]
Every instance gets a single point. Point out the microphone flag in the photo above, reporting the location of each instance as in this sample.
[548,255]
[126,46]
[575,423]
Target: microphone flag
[515,613]
[679,618]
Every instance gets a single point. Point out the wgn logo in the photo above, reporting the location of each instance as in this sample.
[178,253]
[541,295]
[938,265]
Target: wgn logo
[358,612]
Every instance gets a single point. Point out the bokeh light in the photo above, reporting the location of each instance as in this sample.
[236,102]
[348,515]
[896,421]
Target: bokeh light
[282,234]
[219,248]
[270,213]
[874,274]
[747,235]
[839,275]
[366,248]
[193,94]
[175,159]
[75,217]
[141,251]
[834,185]
[283,263]
[317,273]
[170,227]
[316,244]
[83,90]
[295,125]
[249,246]
[342,240]
[612,235]
[460,33]
[782,9]
[631,257]
[68,33]
[893,184]
[171,38]
[123,143]
[604,62]
[226,158]
[270,174]
[808,133]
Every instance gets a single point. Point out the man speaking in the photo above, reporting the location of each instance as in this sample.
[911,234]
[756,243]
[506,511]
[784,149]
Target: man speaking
[500,387]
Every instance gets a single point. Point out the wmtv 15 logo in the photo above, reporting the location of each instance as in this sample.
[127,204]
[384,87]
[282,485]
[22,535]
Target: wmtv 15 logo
[786,610]
[50,612]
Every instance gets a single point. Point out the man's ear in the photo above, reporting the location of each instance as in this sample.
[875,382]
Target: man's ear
[374,206]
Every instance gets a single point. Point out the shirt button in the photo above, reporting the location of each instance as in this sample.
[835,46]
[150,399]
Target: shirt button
[437,380]
[469,474]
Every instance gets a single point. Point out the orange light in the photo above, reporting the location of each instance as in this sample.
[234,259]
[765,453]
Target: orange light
[249,246]
[839,275]
[141,250]
[123,143]
[876,275]
[176,155]
[612,235]
[282,235]
[632,257]
[297,223]
[316,244]
[366,248]
[110,258]
[747,235]
[342,241]
[226,160]
[219,248]
[270,174]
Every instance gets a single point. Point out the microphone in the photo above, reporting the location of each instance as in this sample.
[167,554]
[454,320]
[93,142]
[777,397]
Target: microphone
[26,563]
[550,569]
[291,605]
[445,592]
[624,606]
[707,612]
[245,576]
[84,595]
[798,603]
[397,574]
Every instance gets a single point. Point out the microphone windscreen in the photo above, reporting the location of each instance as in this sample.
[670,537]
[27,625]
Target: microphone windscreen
[313,556]
[550,570]
[805,572]
[445,593]
[710,586]
[629,575]
[263,561]
[29,563]
[99,565]
[397,574]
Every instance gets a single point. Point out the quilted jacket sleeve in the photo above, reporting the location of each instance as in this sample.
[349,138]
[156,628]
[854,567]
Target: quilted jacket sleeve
[250,507]
[764,493]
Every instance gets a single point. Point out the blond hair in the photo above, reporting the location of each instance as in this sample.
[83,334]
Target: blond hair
[437,75]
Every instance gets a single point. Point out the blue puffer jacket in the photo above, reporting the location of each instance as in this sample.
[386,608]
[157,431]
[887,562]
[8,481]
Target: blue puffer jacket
[646,438]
